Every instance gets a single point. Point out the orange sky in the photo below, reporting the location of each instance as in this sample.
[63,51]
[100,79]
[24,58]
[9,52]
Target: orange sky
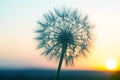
[17,46]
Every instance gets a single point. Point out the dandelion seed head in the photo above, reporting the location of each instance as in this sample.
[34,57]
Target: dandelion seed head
[64,26]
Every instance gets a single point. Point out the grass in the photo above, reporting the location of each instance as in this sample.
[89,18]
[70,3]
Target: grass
[41,74]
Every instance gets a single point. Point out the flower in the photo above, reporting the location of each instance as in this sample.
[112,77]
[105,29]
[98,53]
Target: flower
[64,27]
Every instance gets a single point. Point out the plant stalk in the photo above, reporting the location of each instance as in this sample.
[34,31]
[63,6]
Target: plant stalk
[64,48]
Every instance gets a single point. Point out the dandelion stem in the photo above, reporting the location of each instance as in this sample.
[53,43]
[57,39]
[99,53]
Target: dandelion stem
[64,48]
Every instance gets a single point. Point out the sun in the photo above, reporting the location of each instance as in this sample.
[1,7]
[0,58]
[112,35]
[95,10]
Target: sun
[111,64]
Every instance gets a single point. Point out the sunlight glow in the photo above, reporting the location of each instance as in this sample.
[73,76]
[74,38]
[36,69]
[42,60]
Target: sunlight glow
[111,64]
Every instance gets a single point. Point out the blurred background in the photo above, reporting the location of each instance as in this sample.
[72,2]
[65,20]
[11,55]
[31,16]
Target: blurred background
[18,19]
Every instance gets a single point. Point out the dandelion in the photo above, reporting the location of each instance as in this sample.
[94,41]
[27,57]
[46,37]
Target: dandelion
[64,34]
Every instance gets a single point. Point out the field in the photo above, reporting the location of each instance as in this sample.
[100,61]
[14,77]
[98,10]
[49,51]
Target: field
[42,74]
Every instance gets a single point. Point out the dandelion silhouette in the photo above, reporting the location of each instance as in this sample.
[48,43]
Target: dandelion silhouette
[64,34]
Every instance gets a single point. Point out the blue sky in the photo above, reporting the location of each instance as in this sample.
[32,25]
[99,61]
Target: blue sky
[18,20]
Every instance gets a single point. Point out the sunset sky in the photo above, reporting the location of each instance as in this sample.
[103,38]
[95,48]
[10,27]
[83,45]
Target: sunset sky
[18,19]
